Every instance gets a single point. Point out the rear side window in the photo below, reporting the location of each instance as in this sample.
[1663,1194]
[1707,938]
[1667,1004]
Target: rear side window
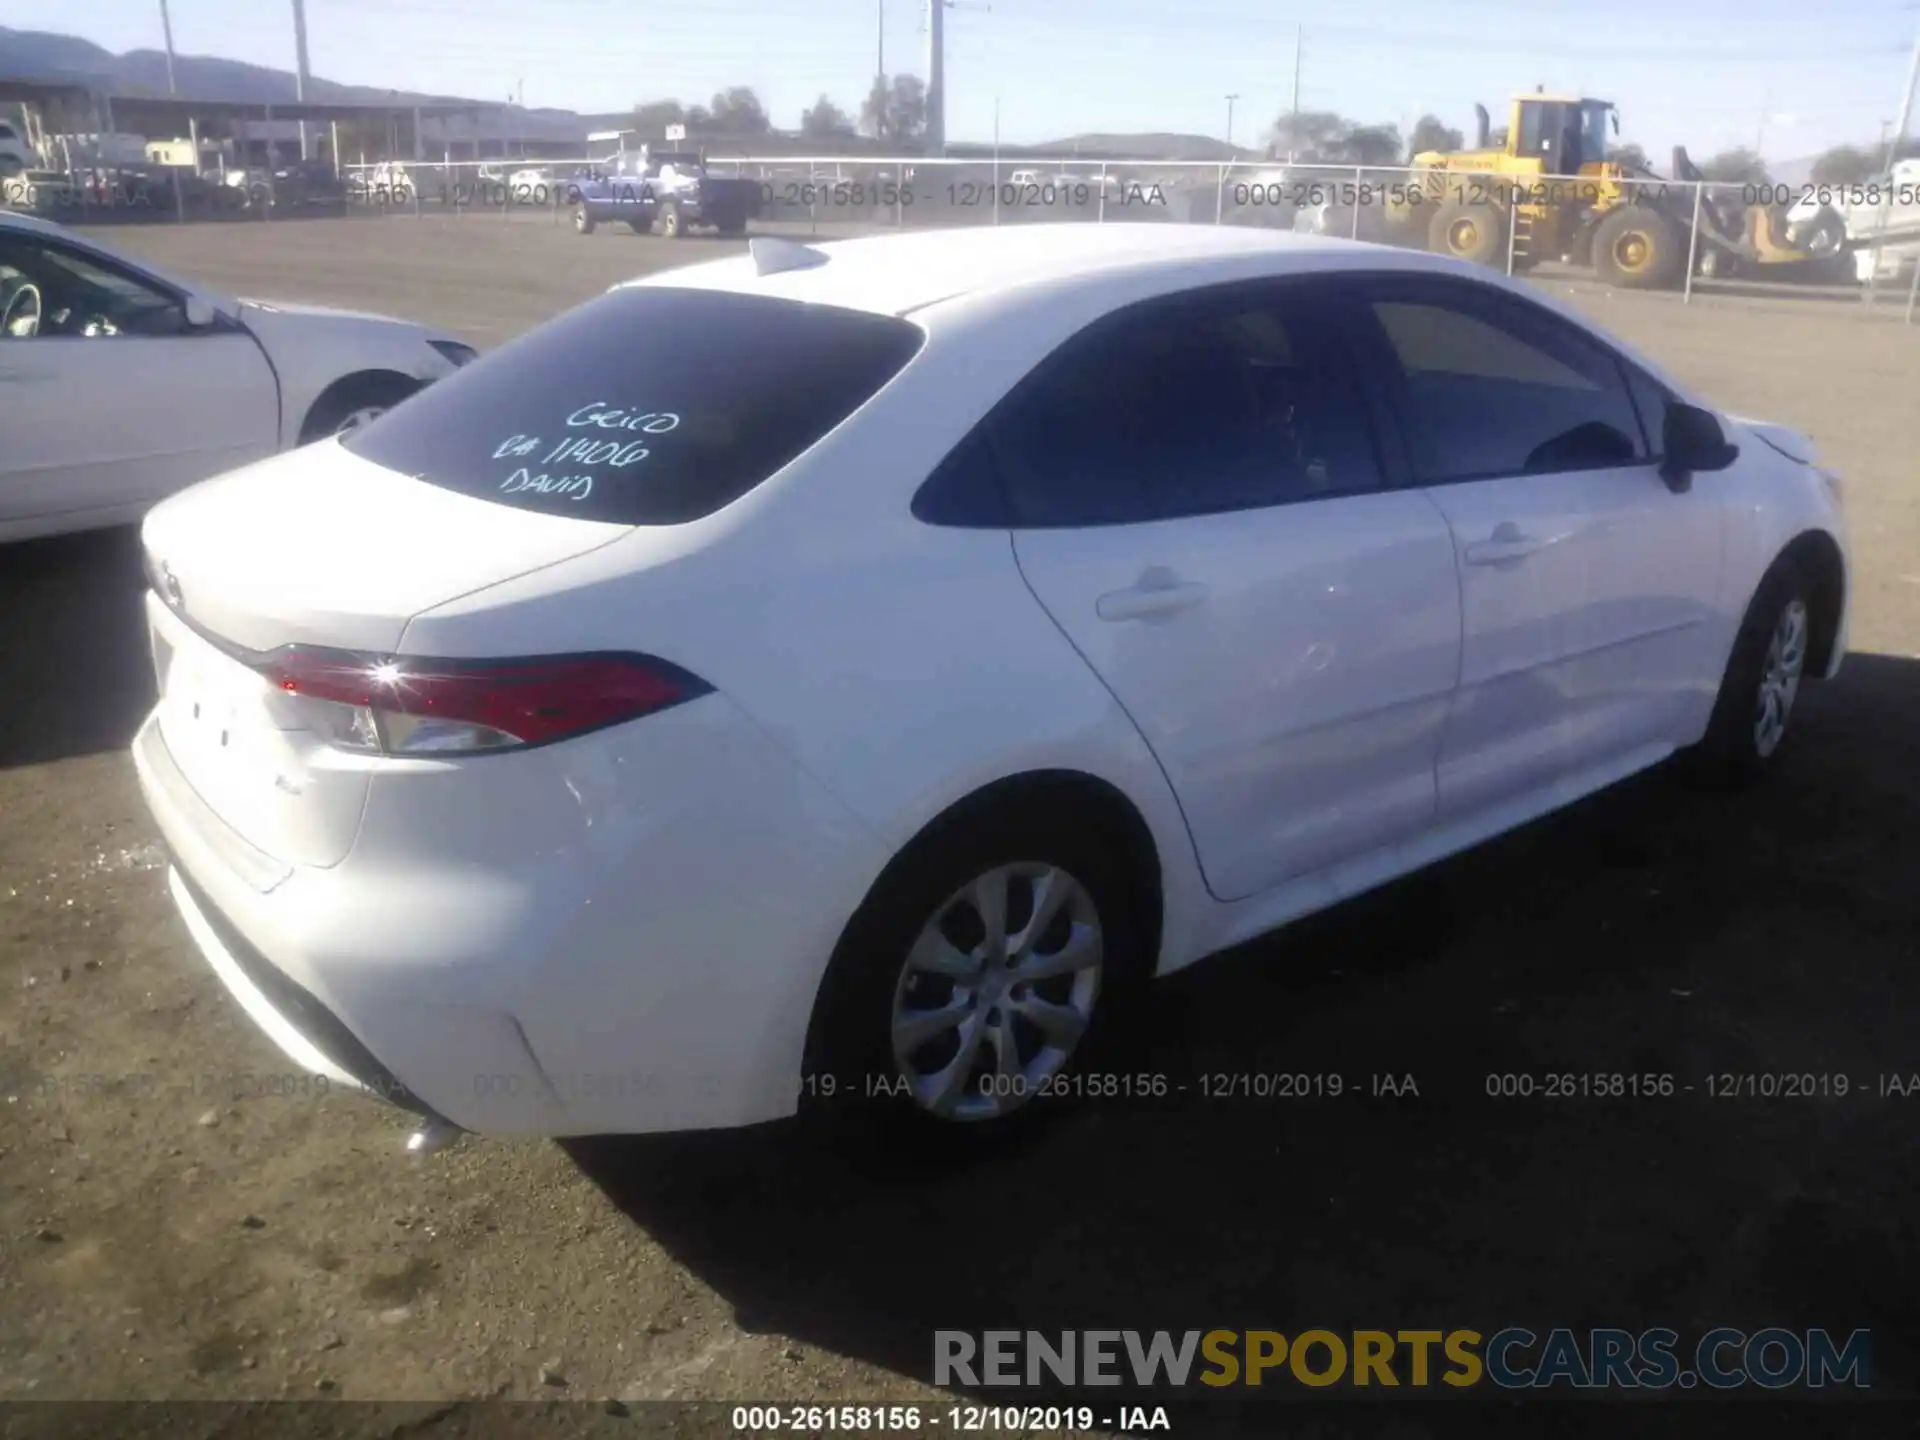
[643,407]
[1228,399]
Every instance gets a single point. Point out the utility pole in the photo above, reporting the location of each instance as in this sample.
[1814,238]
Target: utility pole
[936,78]
[880,38]
[1293,128]
[1760,135]
[300,74]
[166,29]
[193,125]
[1230,100]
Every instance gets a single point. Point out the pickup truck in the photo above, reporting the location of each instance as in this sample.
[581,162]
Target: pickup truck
[670,188]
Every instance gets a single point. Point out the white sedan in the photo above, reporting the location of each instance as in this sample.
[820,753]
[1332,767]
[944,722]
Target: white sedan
[856,704]
[119,385]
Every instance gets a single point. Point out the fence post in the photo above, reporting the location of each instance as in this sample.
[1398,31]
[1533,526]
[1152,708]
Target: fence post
[1220,197]
[1693,243]
[1513,223]
[1879,247]
[1913,290]
[1102,218]
[1354,233]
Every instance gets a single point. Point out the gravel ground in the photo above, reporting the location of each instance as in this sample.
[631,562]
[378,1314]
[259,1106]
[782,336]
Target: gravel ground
[172,1226]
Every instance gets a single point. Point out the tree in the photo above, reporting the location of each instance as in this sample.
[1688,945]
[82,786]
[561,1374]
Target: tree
[895,110]
[825,118]
[1310,136]
[1371,145]
[1736,167]
[1845,165]
[738,111]
[1430,134]
[652,116]
[1632,157]
[1320,137]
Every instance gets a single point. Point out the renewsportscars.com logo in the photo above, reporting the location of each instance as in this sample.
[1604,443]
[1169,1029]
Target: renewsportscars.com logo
[1512,1359]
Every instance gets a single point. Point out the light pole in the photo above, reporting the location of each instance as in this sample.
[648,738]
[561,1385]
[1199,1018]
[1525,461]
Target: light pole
[300,75]
[1230,100]
[1893,153]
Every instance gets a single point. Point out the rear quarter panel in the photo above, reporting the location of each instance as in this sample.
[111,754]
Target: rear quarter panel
[903,665]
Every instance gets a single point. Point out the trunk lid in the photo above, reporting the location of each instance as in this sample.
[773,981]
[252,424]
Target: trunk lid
[316,547]
[321,547]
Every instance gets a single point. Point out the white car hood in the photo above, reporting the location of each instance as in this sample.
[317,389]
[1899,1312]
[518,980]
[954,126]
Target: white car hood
[331,342]
[250,308]
[1794,444]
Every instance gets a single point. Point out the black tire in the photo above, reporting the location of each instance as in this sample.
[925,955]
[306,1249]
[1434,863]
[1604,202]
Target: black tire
[352,397]
[1638,248]
[673,225]
[1733,751]
[583,222]
[854,1083]
[1469,232]
[1825,238]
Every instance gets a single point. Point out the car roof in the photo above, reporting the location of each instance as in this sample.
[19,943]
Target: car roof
[900,273]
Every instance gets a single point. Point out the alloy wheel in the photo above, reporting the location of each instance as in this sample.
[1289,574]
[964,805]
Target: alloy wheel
[997,991]
[354,419]
[1780,678]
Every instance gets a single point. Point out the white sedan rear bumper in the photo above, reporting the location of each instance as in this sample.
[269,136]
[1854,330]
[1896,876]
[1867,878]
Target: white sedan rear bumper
[527,958]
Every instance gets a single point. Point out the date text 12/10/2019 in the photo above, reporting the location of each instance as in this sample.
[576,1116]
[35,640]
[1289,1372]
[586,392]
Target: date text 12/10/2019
[960,1419]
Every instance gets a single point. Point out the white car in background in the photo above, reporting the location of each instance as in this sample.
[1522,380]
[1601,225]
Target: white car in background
[120,385]
[641,735]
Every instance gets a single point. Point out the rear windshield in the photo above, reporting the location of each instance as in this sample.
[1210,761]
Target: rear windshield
[644,407]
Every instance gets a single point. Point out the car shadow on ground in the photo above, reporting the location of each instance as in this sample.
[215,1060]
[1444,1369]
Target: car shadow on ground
[76,676]
[1656,930]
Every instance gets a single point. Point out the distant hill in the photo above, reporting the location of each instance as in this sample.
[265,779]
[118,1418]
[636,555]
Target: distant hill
[43,55]
[1155,145]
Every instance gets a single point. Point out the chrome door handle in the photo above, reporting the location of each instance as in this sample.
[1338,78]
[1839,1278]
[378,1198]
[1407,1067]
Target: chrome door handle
[1143,601]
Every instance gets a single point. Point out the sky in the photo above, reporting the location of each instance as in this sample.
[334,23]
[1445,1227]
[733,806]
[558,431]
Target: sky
[1791,78]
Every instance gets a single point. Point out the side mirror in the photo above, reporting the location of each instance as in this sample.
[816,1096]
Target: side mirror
[1695,443]
[200,312]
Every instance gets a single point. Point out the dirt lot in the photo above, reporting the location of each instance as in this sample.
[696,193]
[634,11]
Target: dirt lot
[191,1236]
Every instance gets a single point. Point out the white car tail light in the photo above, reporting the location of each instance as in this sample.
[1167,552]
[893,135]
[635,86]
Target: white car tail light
[409,705]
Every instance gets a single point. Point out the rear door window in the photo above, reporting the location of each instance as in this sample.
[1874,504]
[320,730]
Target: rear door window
[646,406]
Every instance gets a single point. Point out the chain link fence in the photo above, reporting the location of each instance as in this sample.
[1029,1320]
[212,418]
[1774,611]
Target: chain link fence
[1688,237]
[1685,236]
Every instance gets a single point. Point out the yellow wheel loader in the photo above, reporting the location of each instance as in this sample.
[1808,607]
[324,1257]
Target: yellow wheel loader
[1544,189]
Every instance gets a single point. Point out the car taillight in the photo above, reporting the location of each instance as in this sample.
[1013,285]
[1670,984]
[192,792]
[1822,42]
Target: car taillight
[408,705]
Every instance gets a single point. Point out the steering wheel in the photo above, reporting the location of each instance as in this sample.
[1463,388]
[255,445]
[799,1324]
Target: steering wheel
[20,318]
